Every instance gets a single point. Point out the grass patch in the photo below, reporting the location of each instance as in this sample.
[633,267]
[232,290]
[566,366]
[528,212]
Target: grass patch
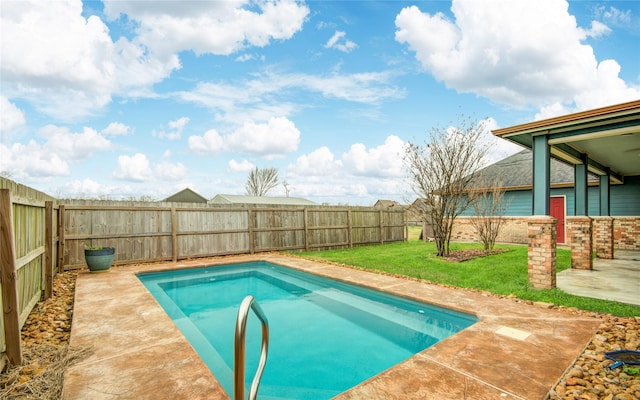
[504,274]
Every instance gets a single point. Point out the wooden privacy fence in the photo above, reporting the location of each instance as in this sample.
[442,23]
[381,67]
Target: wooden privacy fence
[144,234]
[27,252]
[40,235]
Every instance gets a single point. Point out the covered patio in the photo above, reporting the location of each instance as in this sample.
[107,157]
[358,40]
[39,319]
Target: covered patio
[604,142]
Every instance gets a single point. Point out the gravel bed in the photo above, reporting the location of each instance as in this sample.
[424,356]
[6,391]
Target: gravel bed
[45,345]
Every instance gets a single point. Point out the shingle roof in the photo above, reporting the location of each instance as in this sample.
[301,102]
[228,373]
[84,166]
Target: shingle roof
[242,199]
[186,196]
[387,204]
[516,171]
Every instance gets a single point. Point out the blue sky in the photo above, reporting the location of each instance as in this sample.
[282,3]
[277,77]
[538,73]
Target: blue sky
[124,99]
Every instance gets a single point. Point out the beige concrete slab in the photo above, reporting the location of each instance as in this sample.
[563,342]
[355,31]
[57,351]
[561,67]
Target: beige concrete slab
[617,279]
[140,354]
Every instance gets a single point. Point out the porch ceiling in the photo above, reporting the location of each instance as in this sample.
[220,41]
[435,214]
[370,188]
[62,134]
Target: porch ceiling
[609,136]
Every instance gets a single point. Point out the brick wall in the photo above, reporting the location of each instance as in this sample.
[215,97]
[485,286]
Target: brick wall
[626,233]
[513,230]
[579,231]
[603,237]
[541,235]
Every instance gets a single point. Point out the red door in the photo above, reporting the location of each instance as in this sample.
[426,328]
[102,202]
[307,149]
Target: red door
[556,206]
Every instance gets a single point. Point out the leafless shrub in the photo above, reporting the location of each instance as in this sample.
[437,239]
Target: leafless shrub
[440,172]
[489,205]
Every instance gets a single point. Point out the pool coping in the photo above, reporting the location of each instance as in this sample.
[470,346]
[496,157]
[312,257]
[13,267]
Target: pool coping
[514,351]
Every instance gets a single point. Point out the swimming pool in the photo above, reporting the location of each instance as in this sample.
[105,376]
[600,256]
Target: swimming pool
[326,336]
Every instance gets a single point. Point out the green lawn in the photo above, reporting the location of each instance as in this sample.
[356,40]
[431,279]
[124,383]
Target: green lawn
[504,273]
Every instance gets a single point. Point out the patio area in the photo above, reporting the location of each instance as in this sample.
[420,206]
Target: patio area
[515,351]
[617,279]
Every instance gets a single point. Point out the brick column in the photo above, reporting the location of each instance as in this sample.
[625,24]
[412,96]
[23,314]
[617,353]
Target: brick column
[541,231]
[579,232]
[603,236]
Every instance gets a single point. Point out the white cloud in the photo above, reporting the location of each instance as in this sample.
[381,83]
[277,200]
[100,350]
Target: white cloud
[175,129]
[336,42]
[32,161]
[135,168]
[87,188]
[616,17]
[498,148]
[95,67]
[167,171]
[217,27]
[607,89]
[243,166]
[382,161]
[244,57]
[209,143]
[269,94]
[10,116]
[117,129]
[274,139]
[361,175]
[597,29]
[36,160]
[73,146]
[527,53]
[91,69]
[320,162]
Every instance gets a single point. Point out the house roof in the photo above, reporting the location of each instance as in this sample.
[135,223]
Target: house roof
[608,136]
[186,196]
[242,199]
[516,172]
[387,204]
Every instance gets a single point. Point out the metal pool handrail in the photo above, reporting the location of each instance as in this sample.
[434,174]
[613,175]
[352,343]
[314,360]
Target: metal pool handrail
[238,349]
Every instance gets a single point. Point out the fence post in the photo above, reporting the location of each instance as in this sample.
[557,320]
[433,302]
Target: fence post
[11,313]
[48,249]
[405,220]
[61,238]
[306,230]
[350,228]
[381,227]
[250,228]
[174,234]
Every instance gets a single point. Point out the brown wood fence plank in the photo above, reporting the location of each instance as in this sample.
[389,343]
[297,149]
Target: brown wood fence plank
[48,249]
[174,234]
[11,312]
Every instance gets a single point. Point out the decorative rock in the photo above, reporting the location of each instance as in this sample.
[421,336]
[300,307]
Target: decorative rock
[623,396]
[543,304]
[576,373]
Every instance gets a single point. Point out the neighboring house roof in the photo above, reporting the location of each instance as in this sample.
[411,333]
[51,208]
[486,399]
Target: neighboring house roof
[416,209]
[186,196]
[241,199]
[387,204]
[516,172]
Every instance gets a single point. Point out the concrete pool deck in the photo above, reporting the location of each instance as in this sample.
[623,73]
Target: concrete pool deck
[515,351]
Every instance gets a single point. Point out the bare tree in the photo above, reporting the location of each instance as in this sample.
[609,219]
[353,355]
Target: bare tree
[489,205]
[287,188]
[261,180]
[440,172]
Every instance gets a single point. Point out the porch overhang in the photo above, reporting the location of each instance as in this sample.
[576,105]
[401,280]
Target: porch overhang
[607,138]
[604,142]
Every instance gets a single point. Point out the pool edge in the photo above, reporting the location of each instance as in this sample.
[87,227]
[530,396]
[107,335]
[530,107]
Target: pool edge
[478,359]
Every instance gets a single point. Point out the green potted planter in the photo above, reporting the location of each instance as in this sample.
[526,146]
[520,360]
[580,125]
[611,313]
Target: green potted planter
[99,259]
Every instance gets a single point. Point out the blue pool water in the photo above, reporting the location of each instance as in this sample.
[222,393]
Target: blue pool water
[325,336]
